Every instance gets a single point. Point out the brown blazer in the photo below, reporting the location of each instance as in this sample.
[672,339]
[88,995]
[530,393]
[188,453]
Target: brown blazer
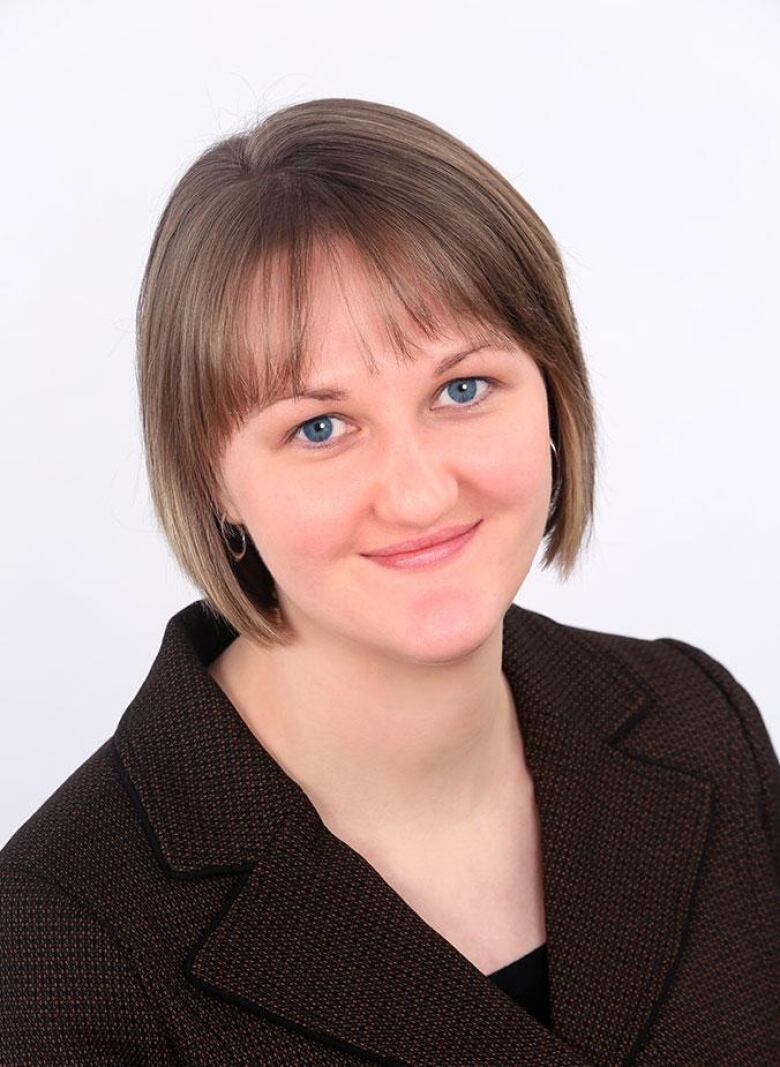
[178,900]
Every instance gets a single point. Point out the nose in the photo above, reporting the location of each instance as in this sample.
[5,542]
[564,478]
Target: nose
[414,486]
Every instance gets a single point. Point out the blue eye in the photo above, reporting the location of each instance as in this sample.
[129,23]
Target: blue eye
[463,389]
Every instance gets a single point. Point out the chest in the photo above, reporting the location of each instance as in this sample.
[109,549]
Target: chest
[481,891]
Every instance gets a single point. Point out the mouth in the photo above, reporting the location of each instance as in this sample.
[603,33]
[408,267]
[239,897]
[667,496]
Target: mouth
[447,533]
[430,556]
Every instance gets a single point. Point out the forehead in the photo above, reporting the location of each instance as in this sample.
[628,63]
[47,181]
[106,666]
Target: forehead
[344,307]
[347,318]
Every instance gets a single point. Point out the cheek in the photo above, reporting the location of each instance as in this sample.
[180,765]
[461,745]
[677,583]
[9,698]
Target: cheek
[512,464]
[288,518]
[296,524]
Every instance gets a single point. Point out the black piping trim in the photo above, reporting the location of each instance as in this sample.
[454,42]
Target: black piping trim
[154,842]
[646,705]
[699,659]
[630,1059]
[243,872]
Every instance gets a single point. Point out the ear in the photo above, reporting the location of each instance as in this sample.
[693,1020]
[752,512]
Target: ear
[226,507]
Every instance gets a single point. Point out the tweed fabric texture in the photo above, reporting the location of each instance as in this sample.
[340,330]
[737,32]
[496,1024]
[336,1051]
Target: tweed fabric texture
[178,900]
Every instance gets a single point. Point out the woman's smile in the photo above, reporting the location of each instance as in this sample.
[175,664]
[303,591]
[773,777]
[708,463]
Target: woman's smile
[428,557]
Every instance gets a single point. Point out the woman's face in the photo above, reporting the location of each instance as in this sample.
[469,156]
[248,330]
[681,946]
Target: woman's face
[318,483]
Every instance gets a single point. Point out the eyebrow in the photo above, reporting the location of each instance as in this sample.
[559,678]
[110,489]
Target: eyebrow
[335,392]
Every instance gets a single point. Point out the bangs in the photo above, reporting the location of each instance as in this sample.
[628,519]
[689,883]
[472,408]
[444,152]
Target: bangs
[420,291]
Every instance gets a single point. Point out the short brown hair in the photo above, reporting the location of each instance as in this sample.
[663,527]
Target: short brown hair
[431,222]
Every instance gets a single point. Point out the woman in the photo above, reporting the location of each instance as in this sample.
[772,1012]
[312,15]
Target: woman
[365,808]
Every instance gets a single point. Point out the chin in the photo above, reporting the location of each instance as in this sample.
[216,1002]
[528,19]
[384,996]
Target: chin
[436,629]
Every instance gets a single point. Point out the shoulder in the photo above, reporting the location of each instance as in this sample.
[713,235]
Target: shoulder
[70,986]
[669,667]
[70,824]
[698,709]
[697,683]
[653,660]
[82,847]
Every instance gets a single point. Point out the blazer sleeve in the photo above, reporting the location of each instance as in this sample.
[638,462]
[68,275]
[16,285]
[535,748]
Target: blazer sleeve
[68,995]
[766,766]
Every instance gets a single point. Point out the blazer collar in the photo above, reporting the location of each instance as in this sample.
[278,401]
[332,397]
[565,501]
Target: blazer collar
[362,971]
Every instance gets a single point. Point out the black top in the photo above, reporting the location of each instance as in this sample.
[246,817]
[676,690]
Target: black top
[525,981]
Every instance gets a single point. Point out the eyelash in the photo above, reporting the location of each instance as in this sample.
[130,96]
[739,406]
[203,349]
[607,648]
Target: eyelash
[309,447]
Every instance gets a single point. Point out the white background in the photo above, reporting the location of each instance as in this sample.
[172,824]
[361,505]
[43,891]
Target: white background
[644,134]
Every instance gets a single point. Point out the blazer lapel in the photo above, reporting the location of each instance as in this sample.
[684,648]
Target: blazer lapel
[312,937]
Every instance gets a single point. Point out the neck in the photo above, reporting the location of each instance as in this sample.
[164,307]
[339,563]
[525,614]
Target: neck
[408,750]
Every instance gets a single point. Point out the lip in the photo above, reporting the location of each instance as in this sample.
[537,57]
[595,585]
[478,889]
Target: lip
[430,556]
[449,533]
